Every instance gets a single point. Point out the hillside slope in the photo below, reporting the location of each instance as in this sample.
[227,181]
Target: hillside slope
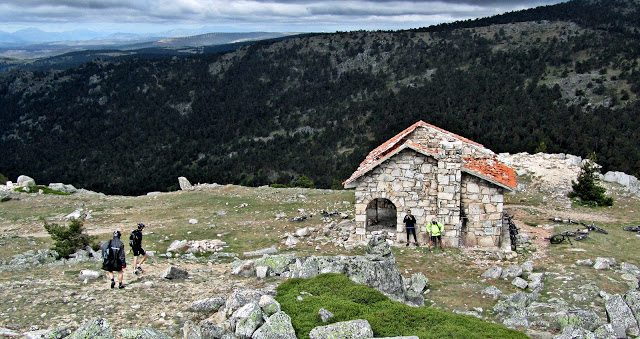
[315,105]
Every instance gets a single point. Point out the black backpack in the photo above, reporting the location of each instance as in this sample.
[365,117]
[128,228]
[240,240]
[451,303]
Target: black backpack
[108,256]
[134,239]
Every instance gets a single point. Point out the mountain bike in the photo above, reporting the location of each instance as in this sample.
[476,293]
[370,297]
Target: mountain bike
[566,235]
[593,227]
[632,228]
[513,230]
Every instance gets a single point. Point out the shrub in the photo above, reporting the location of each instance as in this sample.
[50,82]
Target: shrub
[3,179]
[37,188]
[349,301]
[586,188]
[303,181]
[69,239]
[278,186]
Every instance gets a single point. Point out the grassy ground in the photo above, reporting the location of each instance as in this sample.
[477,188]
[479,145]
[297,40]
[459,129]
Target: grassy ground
[246,219]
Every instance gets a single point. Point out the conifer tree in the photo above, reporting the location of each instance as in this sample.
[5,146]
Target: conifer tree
[586,189]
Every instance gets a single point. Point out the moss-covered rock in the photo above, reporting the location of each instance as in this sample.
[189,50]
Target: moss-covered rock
[142,333]
[98,328]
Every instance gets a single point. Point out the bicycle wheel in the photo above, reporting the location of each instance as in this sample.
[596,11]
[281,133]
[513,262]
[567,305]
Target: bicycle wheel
[514,242]
[580,237]
[556,239]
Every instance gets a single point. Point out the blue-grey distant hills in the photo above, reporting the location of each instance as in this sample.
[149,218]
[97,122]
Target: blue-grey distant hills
[34,43]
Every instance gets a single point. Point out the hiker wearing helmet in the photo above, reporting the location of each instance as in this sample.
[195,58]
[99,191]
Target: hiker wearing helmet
[113,259]
[135,241]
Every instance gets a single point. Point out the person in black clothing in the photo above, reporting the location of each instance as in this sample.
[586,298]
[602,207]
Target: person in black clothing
[114,259]
[135,241]
[410,224]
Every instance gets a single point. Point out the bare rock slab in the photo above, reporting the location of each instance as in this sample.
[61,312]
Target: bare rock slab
[354,329]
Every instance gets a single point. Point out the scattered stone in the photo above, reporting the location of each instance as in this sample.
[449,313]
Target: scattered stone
[527,267]
[584,318]
[277,326]
[492,292]
[278,264]
[303,232]
[97,328]
[262,271]
[601,264]
[269,305]
[585,262]
[629,268]
[25,181]
[208,305]
[191,330]
[196,246]
[142,333]
[418,282]
[193,221]
[88,275]
[185,185]
[354,329]
[175,273]
[493,273]
[574,331]
[535,281]
[291,241]
[605,331]
[244,269]
[56,333]
[520,283]
[250,318]
[8,333]
[620,315]
[263,251]
[325,315]
[512,272]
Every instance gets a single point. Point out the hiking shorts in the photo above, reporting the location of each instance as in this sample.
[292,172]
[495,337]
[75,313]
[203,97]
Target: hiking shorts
[138,251]
[435,238]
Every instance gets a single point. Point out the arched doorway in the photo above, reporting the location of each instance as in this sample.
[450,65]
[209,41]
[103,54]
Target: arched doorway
[381,215]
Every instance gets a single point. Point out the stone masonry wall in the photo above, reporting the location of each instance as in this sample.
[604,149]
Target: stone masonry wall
[482,204]
[408,180]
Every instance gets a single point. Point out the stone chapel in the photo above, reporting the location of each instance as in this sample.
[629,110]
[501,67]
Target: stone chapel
[435,174]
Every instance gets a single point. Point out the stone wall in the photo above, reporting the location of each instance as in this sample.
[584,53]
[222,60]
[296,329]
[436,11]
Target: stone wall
[482,205]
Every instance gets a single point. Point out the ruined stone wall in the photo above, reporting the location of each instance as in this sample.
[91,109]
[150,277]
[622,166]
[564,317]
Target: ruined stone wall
[482,205]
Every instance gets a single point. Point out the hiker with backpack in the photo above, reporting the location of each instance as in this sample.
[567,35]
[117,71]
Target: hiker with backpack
[135,241]
[113,259]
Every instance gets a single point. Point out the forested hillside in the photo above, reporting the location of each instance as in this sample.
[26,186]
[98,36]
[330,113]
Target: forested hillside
[547,79]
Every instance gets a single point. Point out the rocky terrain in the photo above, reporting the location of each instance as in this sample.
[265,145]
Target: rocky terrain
[212,241]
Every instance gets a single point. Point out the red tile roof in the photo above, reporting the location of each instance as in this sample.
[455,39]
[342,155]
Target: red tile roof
[487,168]
[491,170]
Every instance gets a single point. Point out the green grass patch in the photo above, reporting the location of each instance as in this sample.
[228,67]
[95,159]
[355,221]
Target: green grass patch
[350,301]
[37,188]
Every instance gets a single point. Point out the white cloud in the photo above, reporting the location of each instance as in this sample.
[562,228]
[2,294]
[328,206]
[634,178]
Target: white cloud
[309,15]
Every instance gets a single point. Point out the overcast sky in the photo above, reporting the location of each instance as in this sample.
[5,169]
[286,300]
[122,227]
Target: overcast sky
[148,16]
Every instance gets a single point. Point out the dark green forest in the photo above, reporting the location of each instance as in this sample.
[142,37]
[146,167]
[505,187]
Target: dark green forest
[315,105]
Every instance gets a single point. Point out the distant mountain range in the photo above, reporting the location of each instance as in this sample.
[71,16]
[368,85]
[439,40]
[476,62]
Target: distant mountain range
[34,43]
[304,109]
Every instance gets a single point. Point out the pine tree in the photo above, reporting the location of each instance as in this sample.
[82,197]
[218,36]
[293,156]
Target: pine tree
[586,189]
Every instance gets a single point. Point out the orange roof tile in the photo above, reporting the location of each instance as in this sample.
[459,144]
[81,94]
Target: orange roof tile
[488,168]
[492,170]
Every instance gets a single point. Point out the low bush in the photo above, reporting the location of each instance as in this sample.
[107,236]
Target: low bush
[349,301]
[69,239]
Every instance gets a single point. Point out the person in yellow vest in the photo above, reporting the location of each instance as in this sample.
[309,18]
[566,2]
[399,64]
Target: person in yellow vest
[436,229]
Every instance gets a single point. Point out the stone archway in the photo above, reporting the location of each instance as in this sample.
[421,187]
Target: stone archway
[382,214]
